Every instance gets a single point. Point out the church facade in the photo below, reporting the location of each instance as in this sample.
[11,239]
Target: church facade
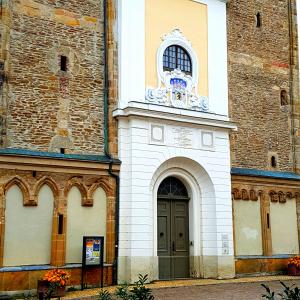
[208,138]
[170,127]
[173,132]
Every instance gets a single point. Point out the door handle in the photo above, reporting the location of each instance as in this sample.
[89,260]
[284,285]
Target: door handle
[173,246]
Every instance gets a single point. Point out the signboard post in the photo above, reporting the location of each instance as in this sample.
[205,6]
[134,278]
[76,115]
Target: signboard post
[92,255]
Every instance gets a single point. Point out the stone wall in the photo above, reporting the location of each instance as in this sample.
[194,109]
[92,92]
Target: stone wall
[43,107]
[261,66]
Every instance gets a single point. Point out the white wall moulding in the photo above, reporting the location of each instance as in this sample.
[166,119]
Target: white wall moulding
[144,110]
[181,137]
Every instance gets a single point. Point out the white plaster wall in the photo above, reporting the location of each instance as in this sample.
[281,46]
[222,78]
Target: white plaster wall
[28,230]
[247,224]
[84,221]
[132,53]
[206,173]
[131,20]
[283,217]
[217,56]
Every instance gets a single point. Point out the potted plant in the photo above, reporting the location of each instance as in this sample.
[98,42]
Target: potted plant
[294,266]
[53,284]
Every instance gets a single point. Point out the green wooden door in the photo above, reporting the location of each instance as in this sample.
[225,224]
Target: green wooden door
[173,236]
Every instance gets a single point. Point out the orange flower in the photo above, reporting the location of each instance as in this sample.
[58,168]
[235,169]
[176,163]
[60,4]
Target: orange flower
[57,276]
[294,261]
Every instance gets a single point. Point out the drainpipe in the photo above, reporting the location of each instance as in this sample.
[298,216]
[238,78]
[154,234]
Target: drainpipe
[106,145]
[291,80]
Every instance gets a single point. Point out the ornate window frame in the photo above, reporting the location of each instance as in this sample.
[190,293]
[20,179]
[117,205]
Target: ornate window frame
[176,88]
[176,37]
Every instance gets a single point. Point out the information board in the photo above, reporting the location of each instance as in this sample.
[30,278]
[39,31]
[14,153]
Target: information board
[93,251]
[92,255]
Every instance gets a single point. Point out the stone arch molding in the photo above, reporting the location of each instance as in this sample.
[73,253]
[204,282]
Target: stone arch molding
[77,182]
[101,183]
[201,192]
[28,200]
[183,93]
[50,183]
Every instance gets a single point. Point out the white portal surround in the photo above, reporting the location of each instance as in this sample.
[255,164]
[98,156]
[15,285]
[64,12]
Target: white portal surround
[157,141]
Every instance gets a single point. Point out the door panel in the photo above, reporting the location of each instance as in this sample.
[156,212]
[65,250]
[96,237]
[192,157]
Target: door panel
[163,239]
[173,238]
[180,235]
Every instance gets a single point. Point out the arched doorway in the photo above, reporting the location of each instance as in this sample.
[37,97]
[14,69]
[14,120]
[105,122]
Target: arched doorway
[173,229]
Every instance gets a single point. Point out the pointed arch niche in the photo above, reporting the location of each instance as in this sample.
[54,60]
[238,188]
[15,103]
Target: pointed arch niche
[28,229]
[84,221]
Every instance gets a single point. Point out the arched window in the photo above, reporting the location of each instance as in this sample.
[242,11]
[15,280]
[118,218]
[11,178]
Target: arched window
[176,57]
[172,187]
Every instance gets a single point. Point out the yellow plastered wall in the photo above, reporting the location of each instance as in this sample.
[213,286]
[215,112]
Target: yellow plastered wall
[163,16]
[84,221]
[247,228]
[284,227]
[28,229]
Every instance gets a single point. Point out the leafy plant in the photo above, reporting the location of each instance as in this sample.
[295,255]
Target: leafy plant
[123,292]
[289,292]
[138,292]
[104,295]
[269,294]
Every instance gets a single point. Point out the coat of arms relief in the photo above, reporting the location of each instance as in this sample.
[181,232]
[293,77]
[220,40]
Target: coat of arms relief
[176,88]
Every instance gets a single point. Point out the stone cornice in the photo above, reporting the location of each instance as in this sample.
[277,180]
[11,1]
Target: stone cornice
[152,111]
[48,164]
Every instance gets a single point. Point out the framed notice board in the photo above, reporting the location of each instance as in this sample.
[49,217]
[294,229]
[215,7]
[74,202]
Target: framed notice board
[92,255]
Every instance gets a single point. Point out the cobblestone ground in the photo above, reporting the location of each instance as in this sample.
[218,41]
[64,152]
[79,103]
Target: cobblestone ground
[227,291]
[248,288]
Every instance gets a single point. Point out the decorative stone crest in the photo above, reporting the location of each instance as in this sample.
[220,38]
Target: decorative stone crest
[177,89]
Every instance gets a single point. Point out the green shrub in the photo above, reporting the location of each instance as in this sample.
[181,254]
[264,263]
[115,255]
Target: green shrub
[138,292]
[104,295]
[289,292]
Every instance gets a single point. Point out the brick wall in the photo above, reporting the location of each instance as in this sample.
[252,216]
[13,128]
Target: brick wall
[42,107]
[259,68]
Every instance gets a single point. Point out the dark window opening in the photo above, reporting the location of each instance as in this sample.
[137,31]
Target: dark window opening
[60,224]
[175,57]
[258,20]
[33,174]
[284,98]
[172,187]
[62,150]
[63,63]
[273,162]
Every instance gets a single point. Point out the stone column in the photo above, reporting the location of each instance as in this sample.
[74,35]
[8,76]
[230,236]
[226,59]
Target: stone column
[265,223]
[58,249]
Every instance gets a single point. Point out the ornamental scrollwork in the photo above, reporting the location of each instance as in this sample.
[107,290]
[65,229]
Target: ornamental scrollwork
[178,91]
[176,88]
